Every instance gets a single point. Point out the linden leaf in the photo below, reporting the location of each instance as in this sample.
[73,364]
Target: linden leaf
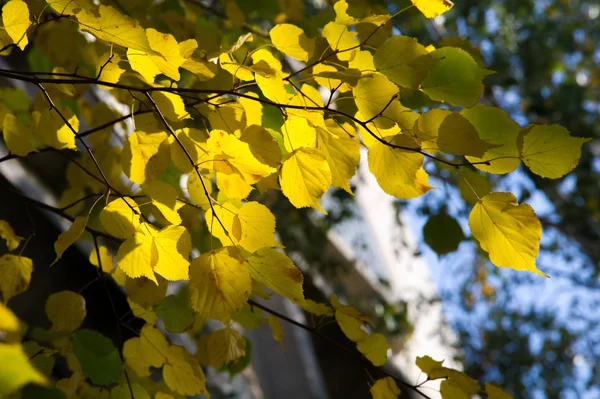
[8,321]
[342,152]
[385,388]
[508,231]
[54,131]
[428,365]
[473,185]
[263,146]
[99,358]
[373,96]
[182,373]
[276,328]
[341,40]
[305,178]
[16,369]
[196,189]
[455,78]
[18,138]
[456,135]
[297,133]
[171,105]
[219,284]
[145,156]
[138,254]
[549,151]
[8,234]
[68,237]
[135,357]
[173,246]
[433,8]
[144,292]
[154,345]
[15,275]
[108,68]
[114,27]
[225,346]
[65,310]
[398,171]
[496,127]
[121,217]
[350,320]
[495,392]
[277,271]
[164,198]
[291,40]
[375,348]
[15,17]
[170,59]
[176,313]
[395,57]
[442,233]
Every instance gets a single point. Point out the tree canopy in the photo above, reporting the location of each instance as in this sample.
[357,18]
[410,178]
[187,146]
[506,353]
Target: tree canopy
[186,128]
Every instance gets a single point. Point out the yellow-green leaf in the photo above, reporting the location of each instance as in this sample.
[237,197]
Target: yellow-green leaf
[8,234]
[173,246]
[276,328]
[508,231]
[68,237]
[495,392]
[16,369]
[15,275]
[385,388]
[8,321]
[66,310]
[121,217]
[549,150]
[395,59]
[277,271]
[456,135]
[375,348]
[182,373]
[341,40]
[145,156]
[219,284]
[18,138]
[305,178]
[138,254]
[225,346]
[164,198]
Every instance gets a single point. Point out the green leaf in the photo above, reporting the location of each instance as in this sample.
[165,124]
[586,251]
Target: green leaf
[443,233]
[455,78]
[98,356]
[176,312]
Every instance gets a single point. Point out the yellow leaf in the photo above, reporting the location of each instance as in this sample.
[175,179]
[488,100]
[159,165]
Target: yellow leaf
[170,58]
[496,127]
[494,392]
[15,17]
[229,64]
[194,143]
[145,313]
[108,68]
[253,110]
[106,259]
[229,117]
[262,145]
[219,284]
[426,128]
[363,62]
[233,186]
[265,55]
[18,138]
[374,95]
[135,357]
[375,348]
[16,369]
[173,246]
[114,27]
[145,156]
[305,178]
[341,40]
[456,135]
[385,388]
[549,150]
[342,152]
[8,321]
[54,132]
[508,231]
[144,292]
[297,133]
[71,7]
[15,275]
[8,234]
[171,105]
[275,270]
[121,217]
[196,190]
[350,320]
[68,237]
[398,171]
[318,309]
[291,40]
[182,373]
[276,328]
[449,391]
[65,310]
[140,62]
[224,347]
[154,345]
[138,254]
[433,8]
[429,366]
[273,88]
[164,198]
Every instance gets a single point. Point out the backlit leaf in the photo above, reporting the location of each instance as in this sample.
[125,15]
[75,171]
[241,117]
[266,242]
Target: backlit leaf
[182,373]
[291,40]
[442,233]
[68,237]
[15,17]
[433,8]
[8,234]
[456,135]
[375,348]
[66,310]
[15,275]
[385,388]
[225,346]
[275,270]
[121,217]
[16,369]
[395,57]
[508,231]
